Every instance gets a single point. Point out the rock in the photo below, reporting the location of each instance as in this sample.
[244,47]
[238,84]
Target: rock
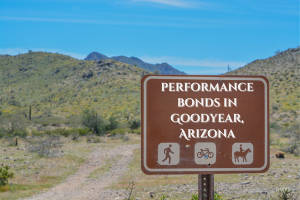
[271,156]
[245,183]
[262,175]
[264,192]
[151,194]
[285,171]
[37,172]
[283,163]
[246,177]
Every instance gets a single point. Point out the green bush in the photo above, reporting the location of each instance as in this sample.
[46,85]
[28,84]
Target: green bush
[274,125]
[83,131]
[137,131]
[134,124]
[93,121]
[118,131]
[5,175]
[113,124]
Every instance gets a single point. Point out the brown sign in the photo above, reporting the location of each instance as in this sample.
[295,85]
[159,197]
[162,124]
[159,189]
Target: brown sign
[204,124]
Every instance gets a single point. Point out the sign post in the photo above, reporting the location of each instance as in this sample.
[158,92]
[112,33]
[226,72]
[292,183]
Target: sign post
[204,125]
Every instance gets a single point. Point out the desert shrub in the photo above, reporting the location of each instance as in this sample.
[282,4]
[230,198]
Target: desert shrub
[134,124]
[97,139]
[5,175]
[37,133]
[126,138]
[113,124]
[273,140]
[74,136]
[292,149]
[285,193]
[93,121]
[83,131]
[58,132]
[137,131]
[46,146]
[13,125]
[118,131]
[274,125]
[13,102]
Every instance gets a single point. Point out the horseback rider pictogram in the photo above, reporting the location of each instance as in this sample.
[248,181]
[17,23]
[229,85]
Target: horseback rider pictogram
[241,149]
[242,154]
[167,152]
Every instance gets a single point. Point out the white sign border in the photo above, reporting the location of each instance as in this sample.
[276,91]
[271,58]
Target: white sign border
[204,169]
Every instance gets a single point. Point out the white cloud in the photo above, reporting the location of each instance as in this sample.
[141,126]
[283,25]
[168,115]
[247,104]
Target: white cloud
[16,51]
[174,3]
[192,62]
[205,72]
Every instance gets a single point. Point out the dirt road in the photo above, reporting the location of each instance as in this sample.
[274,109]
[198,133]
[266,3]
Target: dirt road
[78,186]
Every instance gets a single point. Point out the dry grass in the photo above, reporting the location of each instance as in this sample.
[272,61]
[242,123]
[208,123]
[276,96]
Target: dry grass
[34,174]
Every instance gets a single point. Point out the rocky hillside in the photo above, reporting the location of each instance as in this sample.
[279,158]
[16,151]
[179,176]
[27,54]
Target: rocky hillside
[59,86]
[163,68]
[56,85]
[282,70]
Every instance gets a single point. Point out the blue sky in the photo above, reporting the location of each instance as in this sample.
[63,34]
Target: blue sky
[198,37]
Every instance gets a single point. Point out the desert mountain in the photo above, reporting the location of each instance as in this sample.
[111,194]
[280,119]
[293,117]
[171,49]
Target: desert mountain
[163,68]
[282,71]
[59,86]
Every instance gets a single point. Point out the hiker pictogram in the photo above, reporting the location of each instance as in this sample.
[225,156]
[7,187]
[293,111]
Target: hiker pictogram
[167,152]
[206,153]
[242,153]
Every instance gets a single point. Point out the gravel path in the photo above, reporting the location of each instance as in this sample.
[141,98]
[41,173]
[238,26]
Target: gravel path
[78,186]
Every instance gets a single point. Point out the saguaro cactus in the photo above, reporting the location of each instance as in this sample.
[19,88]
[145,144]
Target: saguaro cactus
[29,112]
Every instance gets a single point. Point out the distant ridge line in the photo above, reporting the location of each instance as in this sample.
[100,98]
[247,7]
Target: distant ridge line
[163,68]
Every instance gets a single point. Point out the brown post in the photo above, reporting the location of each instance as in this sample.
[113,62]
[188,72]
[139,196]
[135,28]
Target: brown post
[205,186]
[16,141]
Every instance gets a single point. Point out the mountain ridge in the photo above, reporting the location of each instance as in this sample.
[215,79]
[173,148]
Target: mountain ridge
[58,85]
[163,68]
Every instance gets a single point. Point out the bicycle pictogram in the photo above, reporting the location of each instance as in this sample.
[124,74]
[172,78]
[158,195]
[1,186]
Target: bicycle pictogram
[206,153]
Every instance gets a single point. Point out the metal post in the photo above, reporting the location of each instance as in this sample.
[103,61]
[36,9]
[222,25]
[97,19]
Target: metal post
[205,186]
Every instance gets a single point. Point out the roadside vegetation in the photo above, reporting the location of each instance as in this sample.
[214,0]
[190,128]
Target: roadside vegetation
[54,110]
